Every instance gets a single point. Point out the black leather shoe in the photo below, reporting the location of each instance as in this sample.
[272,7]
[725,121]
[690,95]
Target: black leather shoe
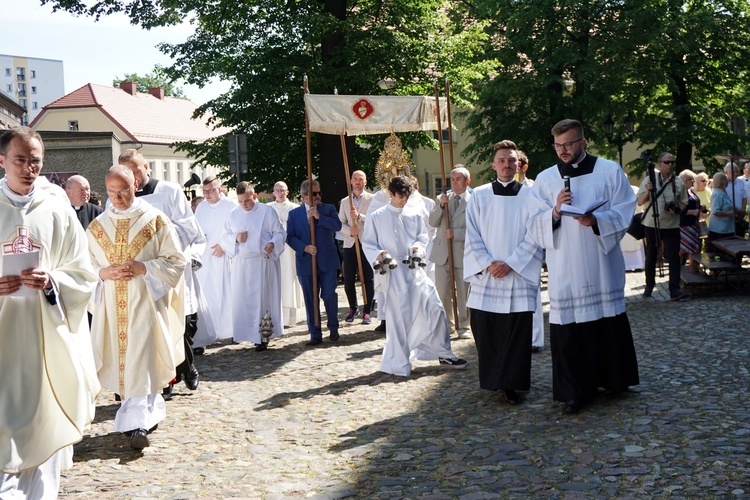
[648,291]
[535,349]
[380,327]
[139,439]
[166,393]
[191,380]
[510,396]
[572,407]
[314,342]
[335,336]
[198,351]
[261,347]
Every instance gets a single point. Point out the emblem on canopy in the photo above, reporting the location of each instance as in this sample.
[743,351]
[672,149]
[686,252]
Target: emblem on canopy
[362,109]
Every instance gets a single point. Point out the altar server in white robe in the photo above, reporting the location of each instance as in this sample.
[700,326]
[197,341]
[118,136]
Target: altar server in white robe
[215,273]
[292,300]
[590,337]
[502,263]
[138,324]
[253,236]
[48,380]
[417,325]
[415,203]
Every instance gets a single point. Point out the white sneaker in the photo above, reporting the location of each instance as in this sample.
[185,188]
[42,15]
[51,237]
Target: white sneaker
[464,335]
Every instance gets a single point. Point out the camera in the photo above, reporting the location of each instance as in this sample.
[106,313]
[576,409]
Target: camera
[672,207]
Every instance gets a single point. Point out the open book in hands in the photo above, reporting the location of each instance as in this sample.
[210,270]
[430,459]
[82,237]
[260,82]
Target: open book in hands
[572,211]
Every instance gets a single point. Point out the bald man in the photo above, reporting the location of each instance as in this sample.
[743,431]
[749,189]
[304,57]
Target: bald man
[137,328]
[79,193]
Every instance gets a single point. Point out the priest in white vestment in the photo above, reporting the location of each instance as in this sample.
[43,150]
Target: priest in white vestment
[137,331]
[292,300]
[48,380]
[171,200]
[417,325]
[215,274]
[590,337]
[254,238]
[502,263]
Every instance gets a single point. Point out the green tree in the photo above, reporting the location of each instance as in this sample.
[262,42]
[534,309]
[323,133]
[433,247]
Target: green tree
[158,78]
[265,47]
[678,66]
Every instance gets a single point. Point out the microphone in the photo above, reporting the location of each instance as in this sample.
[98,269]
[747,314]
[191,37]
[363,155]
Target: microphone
[566,179]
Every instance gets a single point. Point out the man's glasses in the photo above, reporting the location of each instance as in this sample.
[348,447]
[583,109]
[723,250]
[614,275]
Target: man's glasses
[668,162]
[121,193]
[316,193]
[34,163]
[567,146]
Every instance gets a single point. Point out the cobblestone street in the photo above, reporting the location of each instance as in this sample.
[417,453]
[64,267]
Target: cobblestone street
[300,422]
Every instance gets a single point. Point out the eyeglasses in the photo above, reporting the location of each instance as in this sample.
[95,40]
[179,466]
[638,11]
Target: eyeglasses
[34,163]
[280,190]
[567,146]
[668,162]
[316,193]
[119,194]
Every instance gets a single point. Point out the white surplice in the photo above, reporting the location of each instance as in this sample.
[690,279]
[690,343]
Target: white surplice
[48,379]
[215,275]
[256,276]
[586,271]
[488,240]
[292,300]
[138,325]
[417,325]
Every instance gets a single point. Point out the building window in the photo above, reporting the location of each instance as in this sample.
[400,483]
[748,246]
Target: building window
[34,105]
[33,90]
[73,126]
[32,73]
[21,90]
[10,87]
[25,120]
[20,74]
[22,103]
[438,183]
[445,136]
[7,71]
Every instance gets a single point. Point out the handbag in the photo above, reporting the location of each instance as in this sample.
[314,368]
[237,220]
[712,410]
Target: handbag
[636,229]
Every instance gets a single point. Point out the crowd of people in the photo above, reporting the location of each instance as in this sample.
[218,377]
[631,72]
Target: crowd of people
[125,296]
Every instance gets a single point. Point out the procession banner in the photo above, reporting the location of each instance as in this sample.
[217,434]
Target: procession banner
[359,115]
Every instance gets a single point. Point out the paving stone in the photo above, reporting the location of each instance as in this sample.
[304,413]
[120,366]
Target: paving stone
[298,422]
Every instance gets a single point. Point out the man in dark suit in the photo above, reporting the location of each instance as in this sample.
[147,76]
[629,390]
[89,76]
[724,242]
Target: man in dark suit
[326,223]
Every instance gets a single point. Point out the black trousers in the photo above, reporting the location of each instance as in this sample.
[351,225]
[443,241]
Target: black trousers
[503,348]
[350,274]
[671,240]
[191,327]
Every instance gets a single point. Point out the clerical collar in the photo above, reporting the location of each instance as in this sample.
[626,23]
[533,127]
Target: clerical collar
[147,188]
[77,208]
[583,167]
[19,200]
[511,188]
[132,208]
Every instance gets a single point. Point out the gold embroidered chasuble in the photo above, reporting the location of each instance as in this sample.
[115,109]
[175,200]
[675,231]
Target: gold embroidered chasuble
[138,324]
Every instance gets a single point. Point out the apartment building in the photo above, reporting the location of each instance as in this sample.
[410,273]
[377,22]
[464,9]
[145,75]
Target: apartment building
[31,82]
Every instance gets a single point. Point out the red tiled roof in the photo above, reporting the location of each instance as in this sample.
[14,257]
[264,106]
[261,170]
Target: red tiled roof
[143,116]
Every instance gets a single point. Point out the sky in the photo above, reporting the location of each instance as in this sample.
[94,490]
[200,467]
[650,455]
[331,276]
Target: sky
[92,52]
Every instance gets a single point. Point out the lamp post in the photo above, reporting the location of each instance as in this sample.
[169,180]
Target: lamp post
[620,140]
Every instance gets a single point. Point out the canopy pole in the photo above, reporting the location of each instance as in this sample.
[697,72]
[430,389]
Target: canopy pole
[311,198]
[357,247]
[450,123]
[446,209]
